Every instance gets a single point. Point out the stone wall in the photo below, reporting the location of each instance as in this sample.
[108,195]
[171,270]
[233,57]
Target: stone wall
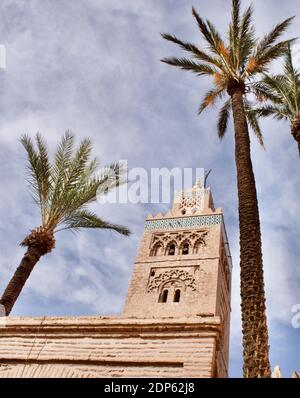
[109,347]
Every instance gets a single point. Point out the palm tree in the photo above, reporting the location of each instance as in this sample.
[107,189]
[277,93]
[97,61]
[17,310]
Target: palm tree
[283,92]
[233,66]
[62,191]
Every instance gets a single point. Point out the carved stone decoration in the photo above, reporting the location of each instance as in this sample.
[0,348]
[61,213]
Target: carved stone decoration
[194,238]
[176,276]
[191,203]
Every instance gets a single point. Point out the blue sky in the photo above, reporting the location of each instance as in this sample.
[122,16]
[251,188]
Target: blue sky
[93,66]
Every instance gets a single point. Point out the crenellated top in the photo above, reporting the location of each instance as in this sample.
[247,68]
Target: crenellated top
[196,201]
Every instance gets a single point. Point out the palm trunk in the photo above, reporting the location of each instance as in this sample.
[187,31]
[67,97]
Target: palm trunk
[254,322]
[19,279]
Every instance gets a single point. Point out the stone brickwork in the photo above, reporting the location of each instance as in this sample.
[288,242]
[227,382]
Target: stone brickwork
[109,347]
[176,317]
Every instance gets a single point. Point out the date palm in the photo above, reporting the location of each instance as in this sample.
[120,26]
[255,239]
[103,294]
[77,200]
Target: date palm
[62,190]
[283,93]
[233,66]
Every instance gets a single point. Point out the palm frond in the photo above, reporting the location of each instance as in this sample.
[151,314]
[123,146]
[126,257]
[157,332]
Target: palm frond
[216,37]
[277,85]
[204,30]
[262,59]
[234,27]
[276,111]
[246,38]
[39,176]
[78,163]
[264,93]
[213,38]
[289,70]
[292,77]
[223,52]
[87,219]
[193,49]
[223,118]
[252,118]
[63,160]
[268,41]
[245,25]
[186,64]
[210,98]
[45,175]
[61,167]
[88,190]
[63,155]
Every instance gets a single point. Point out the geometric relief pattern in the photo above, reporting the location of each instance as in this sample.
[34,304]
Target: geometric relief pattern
[172,277]
[183,222]
[193,201]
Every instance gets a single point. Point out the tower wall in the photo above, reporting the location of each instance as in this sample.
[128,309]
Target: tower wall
[198,296]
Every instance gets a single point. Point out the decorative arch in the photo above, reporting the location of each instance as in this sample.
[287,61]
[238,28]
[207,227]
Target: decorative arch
[175,278]
[157,249]
[199,243]
[171,249]
[173,284]
[185,247]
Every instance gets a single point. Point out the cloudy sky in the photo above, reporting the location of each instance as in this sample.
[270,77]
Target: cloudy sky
[93,66]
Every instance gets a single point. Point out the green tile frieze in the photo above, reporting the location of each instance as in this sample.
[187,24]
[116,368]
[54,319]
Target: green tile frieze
[183,222]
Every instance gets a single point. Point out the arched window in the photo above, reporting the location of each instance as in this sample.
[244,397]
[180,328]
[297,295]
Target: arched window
[198,245]
[185,248]
[157,250]
[171,249]
[177,296]
[163,296]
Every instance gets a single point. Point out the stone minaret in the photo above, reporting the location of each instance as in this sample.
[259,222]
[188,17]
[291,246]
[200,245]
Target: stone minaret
[183,267]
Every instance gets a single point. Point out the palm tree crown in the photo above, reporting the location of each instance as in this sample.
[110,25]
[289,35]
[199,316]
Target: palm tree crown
[63,190]
[283,93]
[236,61]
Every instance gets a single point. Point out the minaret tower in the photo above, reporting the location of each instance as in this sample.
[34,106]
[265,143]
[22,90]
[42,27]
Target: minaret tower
[183,268]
